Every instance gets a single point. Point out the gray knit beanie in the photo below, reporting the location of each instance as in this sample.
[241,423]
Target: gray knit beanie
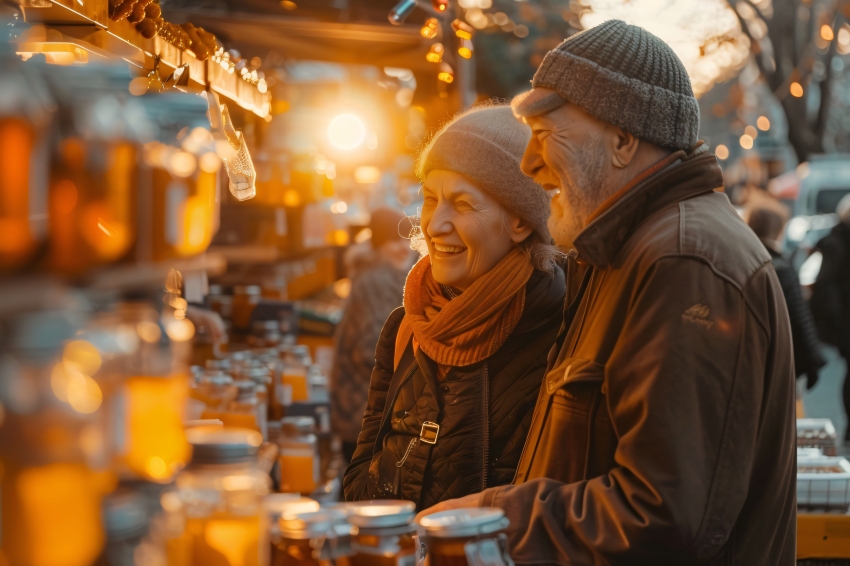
[485,145]
[623,75]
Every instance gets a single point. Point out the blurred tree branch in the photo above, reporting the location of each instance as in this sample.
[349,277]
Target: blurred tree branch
[793,50]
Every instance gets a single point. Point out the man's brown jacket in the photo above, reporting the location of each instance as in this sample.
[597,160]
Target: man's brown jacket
[664,429]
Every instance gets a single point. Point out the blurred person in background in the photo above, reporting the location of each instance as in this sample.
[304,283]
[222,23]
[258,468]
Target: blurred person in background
[830,300]
[458,368]
[377,269]
[767,218]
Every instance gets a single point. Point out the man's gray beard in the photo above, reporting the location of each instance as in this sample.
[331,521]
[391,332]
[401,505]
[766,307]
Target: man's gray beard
[582,197]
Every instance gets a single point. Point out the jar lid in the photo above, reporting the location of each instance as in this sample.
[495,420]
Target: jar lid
[265,325]
[298,424]
[309,525]
[217,364]
[216,377]
[247,290]
[464,522]
[381,513]
[277,505]
[217,445]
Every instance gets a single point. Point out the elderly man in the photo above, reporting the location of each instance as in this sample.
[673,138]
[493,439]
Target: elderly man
[664,429]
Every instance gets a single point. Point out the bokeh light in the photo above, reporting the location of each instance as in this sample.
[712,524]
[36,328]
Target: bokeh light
[763,123]
[706,35]
[346,132]
[721,151]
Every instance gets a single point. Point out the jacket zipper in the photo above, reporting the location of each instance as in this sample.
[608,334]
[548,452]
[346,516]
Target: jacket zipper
[486,388]
[407,377]
[387,411]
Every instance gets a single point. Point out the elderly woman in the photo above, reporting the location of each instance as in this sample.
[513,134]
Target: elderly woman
[459,366]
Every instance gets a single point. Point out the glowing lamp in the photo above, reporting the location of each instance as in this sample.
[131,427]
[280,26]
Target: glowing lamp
[435,54]
[465,49]
[440,5]
[446,74]
[430,28]
[462,29]
[346,132]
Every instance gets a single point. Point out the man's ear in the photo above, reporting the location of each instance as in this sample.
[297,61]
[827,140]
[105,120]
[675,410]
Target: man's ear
[624,147]
[520,229]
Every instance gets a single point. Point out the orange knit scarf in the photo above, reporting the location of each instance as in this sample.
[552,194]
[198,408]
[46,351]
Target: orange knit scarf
[471,327]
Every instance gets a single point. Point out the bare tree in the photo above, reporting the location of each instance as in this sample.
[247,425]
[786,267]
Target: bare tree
[793,42]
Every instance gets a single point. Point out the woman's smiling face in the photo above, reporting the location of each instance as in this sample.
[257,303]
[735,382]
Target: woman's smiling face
[467,231]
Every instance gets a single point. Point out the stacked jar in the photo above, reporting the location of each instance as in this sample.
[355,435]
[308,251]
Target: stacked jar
[310,539]
[462,537]
[216,512]
[298,461]
[383,533]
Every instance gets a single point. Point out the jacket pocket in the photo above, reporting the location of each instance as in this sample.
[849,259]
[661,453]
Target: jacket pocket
[578,423]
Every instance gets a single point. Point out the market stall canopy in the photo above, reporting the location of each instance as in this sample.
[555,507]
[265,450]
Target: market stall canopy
[376,44]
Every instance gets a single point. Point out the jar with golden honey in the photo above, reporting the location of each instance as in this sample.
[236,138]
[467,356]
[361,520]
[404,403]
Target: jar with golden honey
[245,299]
[298,460]
[277,505]
[218,499]
[242,412]
[462,537]
[215,389]
[310,539]
[296,360]
[383,533]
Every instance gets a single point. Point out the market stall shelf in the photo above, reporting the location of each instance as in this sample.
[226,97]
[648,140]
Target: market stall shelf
[80,30]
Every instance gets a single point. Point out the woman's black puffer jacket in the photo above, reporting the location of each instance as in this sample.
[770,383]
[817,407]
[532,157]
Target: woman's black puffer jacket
[427,440]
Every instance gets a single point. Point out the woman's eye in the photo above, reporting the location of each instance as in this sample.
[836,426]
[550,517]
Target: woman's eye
[463,205]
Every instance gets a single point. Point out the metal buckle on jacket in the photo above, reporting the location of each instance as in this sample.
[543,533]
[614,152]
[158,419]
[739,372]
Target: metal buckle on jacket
[429,433]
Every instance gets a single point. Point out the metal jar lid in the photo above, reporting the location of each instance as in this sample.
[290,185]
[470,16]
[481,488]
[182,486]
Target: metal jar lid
[381,513]
[217,445]
[298,425]
[278,505]
[247,290]
[464,522]
[313,524]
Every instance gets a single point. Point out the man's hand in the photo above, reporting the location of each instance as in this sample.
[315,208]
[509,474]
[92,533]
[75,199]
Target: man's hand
[473,500]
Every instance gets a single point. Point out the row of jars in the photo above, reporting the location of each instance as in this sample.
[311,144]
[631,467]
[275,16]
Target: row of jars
[255,389]
[220,513]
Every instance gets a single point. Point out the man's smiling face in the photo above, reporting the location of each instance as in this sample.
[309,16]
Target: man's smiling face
[568,157]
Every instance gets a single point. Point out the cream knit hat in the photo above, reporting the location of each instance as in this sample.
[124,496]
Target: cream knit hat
[485,145]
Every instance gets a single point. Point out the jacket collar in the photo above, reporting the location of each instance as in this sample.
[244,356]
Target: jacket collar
[676,178]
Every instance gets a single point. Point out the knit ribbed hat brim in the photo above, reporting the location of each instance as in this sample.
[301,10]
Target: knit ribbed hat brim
[623,75]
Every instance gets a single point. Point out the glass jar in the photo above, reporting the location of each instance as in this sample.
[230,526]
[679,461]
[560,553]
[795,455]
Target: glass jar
[298,458]
[215,389]
[463,537]
[384,534]
[319,385]
[277,505]
[261,376]
[294,373]
[245,298]
[242,412]
[155,439]
[218,502]
[310,539]
[265,334]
